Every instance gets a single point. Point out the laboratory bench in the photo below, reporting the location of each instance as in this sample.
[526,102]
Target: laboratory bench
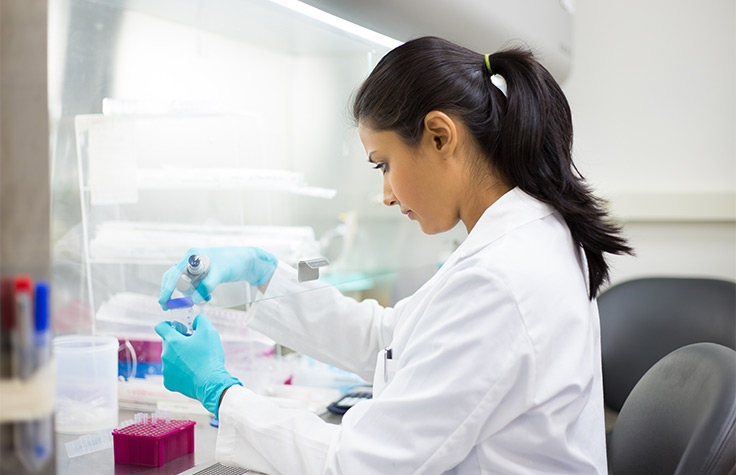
[201,461]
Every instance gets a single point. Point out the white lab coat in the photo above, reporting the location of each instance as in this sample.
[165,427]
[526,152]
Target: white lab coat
[496,365]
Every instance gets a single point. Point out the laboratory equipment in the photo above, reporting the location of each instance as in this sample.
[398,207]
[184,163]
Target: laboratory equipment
[139,161]
[229,265]
[195,272]
[138,358]
[86,383]
[350,398]
[89,443]
[130,317]
[308,269]
[153,441]
[182,314]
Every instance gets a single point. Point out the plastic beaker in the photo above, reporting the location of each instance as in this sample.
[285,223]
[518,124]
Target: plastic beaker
[86,383]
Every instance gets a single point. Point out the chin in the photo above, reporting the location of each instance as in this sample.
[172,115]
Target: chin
[431,230]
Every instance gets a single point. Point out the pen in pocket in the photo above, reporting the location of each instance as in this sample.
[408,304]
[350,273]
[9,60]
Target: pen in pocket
[387,355]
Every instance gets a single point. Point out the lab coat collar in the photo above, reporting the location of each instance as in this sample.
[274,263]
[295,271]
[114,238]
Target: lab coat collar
[512,210]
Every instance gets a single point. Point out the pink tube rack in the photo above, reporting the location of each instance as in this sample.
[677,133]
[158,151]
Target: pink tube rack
[153,443]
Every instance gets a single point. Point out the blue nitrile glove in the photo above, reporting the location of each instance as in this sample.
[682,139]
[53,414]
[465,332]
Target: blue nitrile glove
[195,365]
[227,264]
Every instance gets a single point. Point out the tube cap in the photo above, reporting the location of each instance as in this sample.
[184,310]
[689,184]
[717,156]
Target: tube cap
[183,302]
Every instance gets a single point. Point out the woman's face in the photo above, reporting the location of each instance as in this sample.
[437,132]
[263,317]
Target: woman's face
[415,179]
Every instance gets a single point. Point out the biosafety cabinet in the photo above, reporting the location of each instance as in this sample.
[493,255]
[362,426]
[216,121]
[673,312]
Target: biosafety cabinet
[192,123]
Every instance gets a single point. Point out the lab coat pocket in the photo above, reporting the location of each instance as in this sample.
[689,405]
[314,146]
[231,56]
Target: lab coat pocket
[385,370]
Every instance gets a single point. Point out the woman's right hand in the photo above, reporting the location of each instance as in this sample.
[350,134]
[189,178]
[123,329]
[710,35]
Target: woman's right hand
[227,264]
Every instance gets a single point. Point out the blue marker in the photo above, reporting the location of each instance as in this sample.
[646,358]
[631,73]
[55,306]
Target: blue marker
[42,339]
[42,335]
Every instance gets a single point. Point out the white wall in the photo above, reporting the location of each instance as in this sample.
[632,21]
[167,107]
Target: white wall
[653,94]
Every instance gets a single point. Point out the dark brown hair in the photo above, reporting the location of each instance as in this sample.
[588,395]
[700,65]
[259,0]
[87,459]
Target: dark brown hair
[525,137]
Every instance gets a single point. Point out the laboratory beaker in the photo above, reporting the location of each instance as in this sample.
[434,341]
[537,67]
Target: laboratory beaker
[86,383]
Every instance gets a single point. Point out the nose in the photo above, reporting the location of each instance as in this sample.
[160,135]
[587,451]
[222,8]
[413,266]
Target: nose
[388,194]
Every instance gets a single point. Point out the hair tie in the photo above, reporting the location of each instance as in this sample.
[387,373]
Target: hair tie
[496,79]
[488,64]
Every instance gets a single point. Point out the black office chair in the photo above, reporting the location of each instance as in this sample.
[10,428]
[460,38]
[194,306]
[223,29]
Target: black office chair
[643,320]
[680,418]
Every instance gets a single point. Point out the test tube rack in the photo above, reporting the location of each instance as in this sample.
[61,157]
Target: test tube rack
[153,441]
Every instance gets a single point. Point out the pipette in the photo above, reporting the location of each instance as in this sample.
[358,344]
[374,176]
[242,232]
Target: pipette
[195,272]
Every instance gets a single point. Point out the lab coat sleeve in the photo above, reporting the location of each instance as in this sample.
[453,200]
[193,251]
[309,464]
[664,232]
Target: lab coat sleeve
[315,319]
[257,434]
[466,373]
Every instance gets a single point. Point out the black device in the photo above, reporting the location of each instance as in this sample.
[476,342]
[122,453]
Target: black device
[350,398]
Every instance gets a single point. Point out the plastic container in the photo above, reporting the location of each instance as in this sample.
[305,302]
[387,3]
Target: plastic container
[139,358]
[153,442]
[86,383]
[182,311]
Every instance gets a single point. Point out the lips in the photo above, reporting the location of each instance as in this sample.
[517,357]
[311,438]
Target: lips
[408,213]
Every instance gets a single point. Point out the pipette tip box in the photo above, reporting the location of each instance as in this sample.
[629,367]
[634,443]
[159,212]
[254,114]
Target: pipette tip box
[153,443]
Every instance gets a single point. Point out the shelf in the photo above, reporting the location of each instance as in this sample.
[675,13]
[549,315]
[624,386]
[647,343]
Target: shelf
[121,148]
[227,179]
[126,242]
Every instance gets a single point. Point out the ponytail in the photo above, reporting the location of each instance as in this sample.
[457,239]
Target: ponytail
[524,132]
[533,150]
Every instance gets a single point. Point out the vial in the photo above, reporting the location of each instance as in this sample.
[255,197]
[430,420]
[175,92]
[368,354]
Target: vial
[182,314]
[195,272]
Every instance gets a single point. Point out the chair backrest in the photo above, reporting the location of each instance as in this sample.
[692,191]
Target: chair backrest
[681,417]
[643,320]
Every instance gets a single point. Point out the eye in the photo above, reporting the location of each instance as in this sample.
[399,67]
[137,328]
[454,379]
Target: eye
[381,166]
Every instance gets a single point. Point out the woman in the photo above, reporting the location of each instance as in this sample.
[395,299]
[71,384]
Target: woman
[493,366]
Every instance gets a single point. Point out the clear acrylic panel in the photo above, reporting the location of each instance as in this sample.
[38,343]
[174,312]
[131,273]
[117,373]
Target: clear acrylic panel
[180,124]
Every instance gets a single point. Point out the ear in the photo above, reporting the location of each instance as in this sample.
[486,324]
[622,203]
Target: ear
[440,133]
